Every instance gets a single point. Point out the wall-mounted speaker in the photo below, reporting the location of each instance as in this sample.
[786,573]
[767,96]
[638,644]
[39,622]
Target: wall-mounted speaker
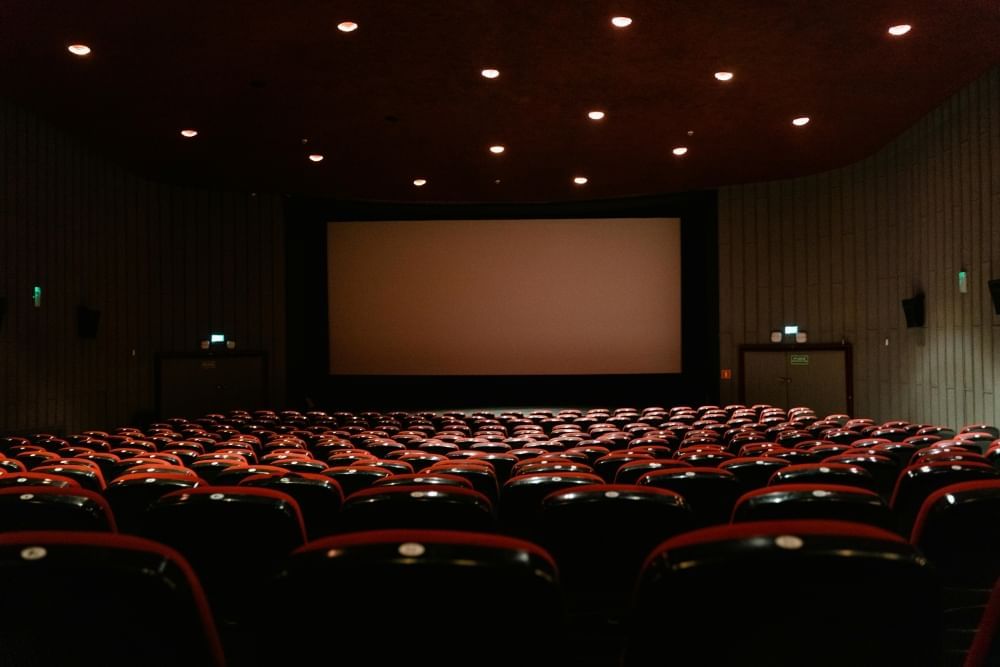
[86,322]
[913,310]
[994,285]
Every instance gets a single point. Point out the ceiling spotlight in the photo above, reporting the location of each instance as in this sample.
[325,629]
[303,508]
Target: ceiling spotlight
[187,134]
[315,157]
[79,49]
[496,150]
[490,73]
[901,29]
[621,21]
[580,180]
[595,115]
[420,182]
[800,121]
[347,26]
[680,150]
[724,76]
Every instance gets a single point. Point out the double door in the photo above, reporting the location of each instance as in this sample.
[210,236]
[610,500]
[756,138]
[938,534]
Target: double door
[817,376]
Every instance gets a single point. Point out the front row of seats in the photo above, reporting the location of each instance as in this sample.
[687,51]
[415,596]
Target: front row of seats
[771,592]
[237,539]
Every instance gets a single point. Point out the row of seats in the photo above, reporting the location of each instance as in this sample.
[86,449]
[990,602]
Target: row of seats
[598,534]
[595,492]
[776,593]
[363,494]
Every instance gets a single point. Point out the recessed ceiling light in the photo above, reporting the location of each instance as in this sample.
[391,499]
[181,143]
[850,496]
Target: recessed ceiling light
[79,49]
[724,76]
[496,150]
[490,73]
[621,21]
[420,182]
[595,115]
[189,133]
[347,26]
[316,157]
[901,29]
[680,150]
[800,121]
[580,180]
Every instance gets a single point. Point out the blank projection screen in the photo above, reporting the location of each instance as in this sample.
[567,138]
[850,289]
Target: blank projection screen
[505,297]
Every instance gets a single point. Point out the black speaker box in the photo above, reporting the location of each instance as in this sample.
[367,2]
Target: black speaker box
[86,322]
[913,309]
[995,294]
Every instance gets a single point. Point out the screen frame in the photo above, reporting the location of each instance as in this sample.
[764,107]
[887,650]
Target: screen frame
[309,383]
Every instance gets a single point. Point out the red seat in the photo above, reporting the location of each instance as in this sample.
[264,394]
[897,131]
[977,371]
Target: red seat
[88,476]
[319,497]
[481,475]
[917,483]
[20,479]
[710,492]
[807,578]
[883,469]
[814,501]
[115,594]
[131,495]
[753,471]
[599,535]
[54,508]
[355,477]
[235,474]
[629,473]
[232,536]
[825,473]
[430,507]
[958,529]
[522,495]
[985,649]
[461,588]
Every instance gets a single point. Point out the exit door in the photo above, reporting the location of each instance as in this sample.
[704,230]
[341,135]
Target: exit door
[816,376]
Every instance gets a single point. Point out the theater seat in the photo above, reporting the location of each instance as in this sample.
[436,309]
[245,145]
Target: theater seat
[958,529]
[319,498]
[399,597]
[753,471]
[710,492]
[917,483]
[54,508]
[355,477]
[87,598]
[233,536]
[599,535]
[521,497]
[786,594]
[418,506]
[814,501]
[630,472]
[131,495]
[22,479]
[985,650]
[842,474]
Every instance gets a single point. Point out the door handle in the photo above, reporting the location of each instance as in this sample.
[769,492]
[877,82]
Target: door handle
[782,378]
